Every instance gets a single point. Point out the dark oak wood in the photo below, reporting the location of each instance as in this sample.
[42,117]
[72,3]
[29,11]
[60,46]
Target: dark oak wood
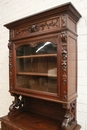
[38,122]
[43,71]
[31,121]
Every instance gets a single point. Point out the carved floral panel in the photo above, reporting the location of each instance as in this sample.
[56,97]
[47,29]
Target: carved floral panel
[52,24]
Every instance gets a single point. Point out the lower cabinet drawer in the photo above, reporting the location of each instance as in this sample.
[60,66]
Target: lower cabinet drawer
[9,127]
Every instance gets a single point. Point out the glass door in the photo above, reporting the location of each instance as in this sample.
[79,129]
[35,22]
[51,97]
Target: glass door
[37,67]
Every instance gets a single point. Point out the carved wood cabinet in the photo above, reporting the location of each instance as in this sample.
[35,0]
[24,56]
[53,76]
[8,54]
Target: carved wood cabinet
[43,71]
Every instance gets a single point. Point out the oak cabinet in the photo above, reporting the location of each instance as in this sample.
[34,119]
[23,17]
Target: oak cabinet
[43,71]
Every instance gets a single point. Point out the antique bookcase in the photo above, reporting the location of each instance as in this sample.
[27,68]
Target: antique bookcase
[43,71]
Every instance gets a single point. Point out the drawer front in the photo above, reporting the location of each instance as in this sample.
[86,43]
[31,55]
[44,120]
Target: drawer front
[9,126]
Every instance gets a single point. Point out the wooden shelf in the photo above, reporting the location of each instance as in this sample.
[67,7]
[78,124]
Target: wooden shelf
[37,74]
[40,55]
[31,121]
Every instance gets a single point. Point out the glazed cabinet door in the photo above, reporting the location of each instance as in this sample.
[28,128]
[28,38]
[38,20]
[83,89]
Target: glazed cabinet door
[37,67]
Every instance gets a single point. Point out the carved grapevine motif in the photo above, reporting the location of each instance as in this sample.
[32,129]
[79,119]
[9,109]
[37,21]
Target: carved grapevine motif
[58,22]
[64,64]
[36,28]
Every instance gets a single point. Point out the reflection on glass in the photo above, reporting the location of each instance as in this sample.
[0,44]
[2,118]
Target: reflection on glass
[45,48]
[37,64]
[47,84]
[40,48]
[36,67]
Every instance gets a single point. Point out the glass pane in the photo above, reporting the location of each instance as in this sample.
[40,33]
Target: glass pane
[23,50]
[47,84]
[45,48]
[39,48]
[37,67]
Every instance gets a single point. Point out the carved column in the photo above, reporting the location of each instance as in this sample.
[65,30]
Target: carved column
[10,65]
[64,65]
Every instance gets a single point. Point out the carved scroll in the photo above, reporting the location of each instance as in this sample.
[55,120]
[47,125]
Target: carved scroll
[69,118]
[17,104]
[64,65]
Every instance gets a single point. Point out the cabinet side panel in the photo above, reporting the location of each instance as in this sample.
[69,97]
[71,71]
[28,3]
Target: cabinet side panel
[72,66]
[71,24]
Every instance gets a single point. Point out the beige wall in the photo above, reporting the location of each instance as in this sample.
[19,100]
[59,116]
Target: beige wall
[11,10]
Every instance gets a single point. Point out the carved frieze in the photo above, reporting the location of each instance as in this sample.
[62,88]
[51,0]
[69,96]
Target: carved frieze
[55,23]
[64,64]
[46,25]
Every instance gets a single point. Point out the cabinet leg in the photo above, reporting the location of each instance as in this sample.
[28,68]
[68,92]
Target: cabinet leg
[69,122]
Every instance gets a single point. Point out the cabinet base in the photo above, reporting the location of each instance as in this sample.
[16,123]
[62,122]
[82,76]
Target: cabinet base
[31,121]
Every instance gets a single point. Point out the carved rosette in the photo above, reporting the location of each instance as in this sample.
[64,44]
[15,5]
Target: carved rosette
[64,65]
[10,63]
[69,118]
